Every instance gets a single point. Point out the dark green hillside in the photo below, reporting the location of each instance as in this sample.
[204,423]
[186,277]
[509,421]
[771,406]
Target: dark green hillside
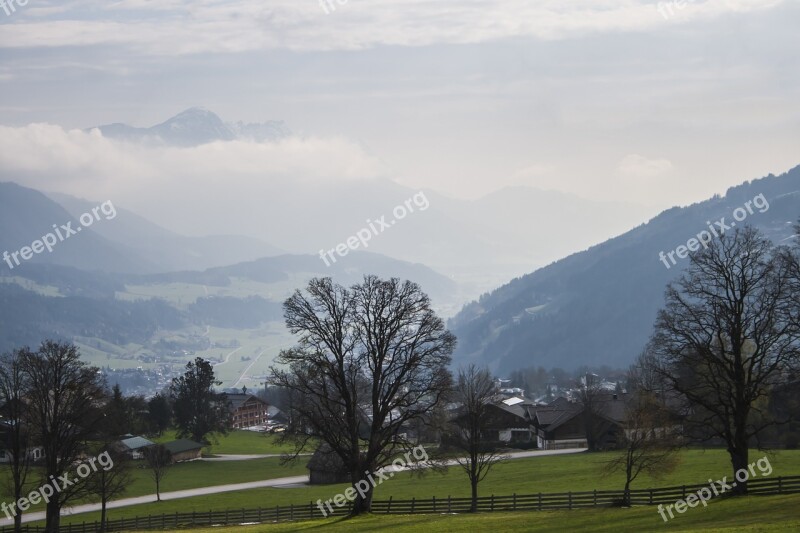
[598,306]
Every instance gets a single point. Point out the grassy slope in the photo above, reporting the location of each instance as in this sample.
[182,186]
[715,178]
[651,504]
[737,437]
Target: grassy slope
[751,514]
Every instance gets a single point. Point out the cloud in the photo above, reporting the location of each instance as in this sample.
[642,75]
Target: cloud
[48,157]
[635,165]
[180,27]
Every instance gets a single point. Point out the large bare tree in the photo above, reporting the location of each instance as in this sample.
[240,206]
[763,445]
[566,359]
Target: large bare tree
[727,336]
[370,360]
[64,397]
[475,390]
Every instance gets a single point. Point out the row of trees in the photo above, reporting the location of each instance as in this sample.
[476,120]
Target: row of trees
[372,359]
[52,401]
[723,364]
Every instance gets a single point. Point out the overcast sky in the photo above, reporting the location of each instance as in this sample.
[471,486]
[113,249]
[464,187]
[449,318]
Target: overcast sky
[607,99]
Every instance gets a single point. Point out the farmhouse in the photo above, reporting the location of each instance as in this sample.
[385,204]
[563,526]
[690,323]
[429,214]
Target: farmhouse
[562,424]
[248,410]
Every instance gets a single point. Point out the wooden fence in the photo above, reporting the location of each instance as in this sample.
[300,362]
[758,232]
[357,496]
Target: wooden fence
[515,502]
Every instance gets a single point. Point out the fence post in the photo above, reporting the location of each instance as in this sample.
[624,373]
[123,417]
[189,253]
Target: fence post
[651,496]
[448,504]
[413,501]
[595,497]
[277,511]
[434,504]
[514,504]
[780,488]
[310,510]
[226,516]
[569,496]
[540,501]
[492,504]
[291,511]
[389,507]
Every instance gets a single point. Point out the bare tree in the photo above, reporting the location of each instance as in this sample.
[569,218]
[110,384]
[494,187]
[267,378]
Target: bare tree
[108,483]
[159,461]
[652,436]
[726,337]
[475,390]
[15,427]
[63,403]
[371,359]
[590,397]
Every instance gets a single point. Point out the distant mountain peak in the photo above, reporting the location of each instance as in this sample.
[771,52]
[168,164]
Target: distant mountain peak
[196,126]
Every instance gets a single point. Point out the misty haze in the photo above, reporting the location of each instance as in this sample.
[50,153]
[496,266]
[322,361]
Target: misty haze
[364,265]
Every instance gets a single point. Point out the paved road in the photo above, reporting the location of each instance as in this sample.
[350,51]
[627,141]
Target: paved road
[202,491]
[241,457]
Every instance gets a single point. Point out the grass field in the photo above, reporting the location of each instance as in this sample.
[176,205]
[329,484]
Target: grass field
[750,514]
[238,442]
[575,472]
[207,473]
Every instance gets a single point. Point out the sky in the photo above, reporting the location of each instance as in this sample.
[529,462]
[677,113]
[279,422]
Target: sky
[653,104]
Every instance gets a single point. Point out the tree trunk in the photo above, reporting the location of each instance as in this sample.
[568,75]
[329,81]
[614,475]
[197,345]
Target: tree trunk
[53,516]
[474,504]
[362,505]
[626,497]
[18,521]
[739,457]
[103,516]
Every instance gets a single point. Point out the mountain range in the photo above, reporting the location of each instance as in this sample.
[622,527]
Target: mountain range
[597,307]
[481,242]
[81,287]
